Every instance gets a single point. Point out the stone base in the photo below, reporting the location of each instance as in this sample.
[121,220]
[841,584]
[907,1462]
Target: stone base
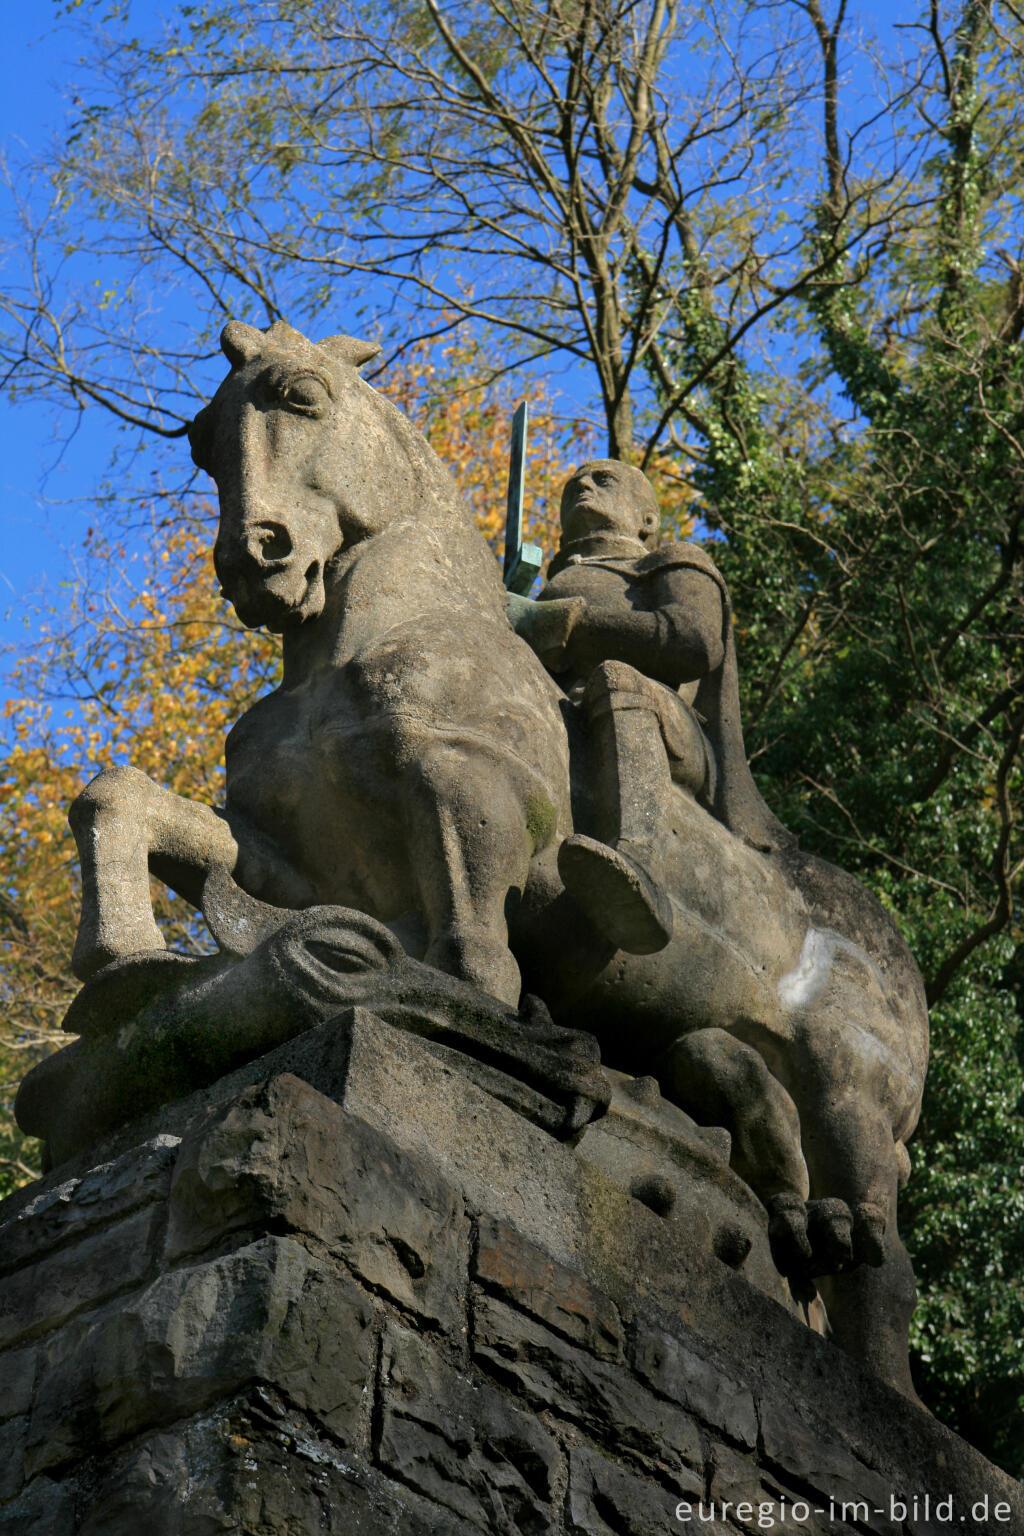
[346,1291]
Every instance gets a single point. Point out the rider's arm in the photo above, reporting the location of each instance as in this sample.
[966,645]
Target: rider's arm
[675,637]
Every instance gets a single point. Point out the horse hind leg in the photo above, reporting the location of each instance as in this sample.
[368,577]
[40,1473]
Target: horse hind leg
[857,1168]
[122,822]
[870,1308]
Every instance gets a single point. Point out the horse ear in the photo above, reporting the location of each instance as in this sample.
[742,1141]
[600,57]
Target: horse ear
[241,343]
[347,349]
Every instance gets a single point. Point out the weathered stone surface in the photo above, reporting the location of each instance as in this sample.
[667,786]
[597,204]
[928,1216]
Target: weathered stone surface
[603,1397]
[742,1494]
[989,1514]
[256,1468]
[17,1378]
[269,1312]
[525,1276]
[285,1155]
[64,1209]
[491,1155]
[681,1171]
[678,1371]
[462,1444]
[131,1393]
[45,1508]
[43,1295]
[604,1499]
[808,1456]
[13,1435]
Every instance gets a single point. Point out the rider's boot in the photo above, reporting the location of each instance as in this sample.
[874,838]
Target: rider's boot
[616,877]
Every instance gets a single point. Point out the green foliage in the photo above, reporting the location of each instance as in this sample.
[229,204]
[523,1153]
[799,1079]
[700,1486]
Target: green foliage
[872,540]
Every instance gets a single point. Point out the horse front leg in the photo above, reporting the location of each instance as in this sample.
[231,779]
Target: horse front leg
[471,839]
[124,826]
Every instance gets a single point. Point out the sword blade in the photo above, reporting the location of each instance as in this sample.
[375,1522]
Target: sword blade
[516,481]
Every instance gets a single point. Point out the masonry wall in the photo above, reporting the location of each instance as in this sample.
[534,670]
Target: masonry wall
[302,1302]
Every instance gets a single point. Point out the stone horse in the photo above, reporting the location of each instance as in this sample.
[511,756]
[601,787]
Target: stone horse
[419,765]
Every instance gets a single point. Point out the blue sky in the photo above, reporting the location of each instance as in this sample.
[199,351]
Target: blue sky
[48,475]
[45,478]
[51,466]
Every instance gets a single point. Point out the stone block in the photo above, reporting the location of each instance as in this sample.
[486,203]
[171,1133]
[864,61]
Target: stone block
[516,1269]
[676,1369]
[743,1495]
[810,1457]
[255,1467]
[113,1258]
[270,1312]
[13,1435]
[284,1156]
[604,1398]
[45,1508]
[63,1210]
[462,1444]
[17,1378]
[605,1499]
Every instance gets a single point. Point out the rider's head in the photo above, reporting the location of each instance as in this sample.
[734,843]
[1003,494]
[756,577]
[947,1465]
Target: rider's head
[609,497]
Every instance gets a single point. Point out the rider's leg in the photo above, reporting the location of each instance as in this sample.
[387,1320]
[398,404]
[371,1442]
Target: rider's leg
[123,822]
[616,877]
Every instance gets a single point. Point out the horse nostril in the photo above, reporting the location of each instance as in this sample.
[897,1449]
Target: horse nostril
[273,541]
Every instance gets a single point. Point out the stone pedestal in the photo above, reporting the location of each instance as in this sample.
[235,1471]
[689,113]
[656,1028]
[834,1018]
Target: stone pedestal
[346,1290]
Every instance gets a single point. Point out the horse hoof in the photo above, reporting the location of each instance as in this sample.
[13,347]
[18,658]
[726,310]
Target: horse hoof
[616,894]
[830,1231]
[787,1236]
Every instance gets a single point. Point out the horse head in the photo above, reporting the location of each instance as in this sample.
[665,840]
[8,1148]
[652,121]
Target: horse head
[281,438]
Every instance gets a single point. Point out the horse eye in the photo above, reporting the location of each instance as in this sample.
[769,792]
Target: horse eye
[305,393]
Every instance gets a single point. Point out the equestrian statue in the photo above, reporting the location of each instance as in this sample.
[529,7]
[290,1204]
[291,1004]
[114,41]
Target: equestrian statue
[540,809]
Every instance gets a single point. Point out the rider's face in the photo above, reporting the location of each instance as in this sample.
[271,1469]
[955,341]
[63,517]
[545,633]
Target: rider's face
[599,499]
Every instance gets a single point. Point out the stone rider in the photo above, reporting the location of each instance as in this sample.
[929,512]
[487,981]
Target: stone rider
[648,655]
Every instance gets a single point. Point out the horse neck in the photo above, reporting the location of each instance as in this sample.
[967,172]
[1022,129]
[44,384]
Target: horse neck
[431,518]
[429,550]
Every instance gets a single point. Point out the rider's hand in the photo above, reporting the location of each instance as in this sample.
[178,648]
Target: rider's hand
[546,627]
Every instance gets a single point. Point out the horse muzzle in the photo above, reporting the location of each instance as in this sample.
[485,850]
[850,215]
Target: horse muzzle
[270,581]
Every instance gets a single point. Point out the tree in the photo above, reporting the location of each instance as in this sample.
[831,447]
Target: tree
[815,308]
[877,572]
[573,176]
